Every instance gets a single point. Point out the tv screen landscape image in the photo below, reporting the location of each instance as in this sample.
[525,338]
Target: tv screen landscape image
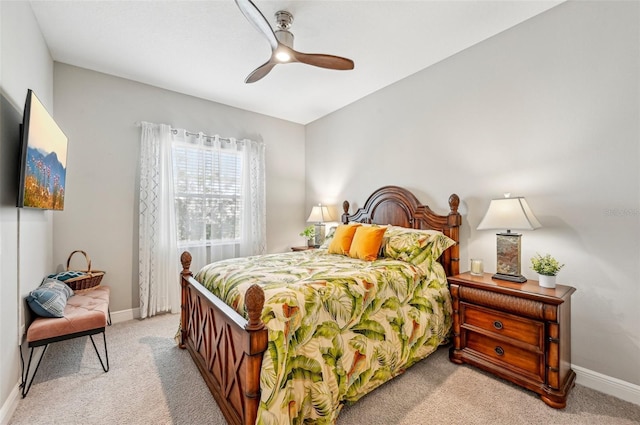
[44,158]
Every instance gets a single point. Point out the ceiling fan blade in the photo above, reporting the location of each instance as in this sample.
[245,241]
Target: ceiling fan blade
[260,72]
[257,19]
[323,61]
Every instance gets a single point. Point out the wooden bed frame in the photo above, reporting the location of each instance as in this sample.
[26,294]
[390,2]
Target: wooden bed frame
[227,348]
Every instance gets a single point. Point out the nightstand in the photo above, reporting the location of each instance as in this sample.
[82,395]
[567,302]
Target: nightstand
[302,248]
[520,332]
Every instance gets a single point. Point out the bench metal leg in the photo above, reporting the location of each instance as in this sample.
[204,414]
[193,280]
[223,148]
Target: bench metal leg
[27,386]
[106,353]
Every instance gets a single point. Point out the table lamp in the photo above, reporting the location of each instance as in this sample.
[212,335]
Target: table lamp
[319,214]
[510,214]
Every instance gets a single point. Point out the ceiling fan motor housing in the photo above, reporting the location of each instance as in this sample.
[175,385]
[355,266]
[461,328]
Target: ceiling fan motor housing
[285,37]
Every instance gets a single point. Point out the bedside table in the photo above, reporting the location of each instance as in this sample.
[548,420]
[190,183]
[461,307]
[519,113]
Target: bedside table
[520,332]
[302,248]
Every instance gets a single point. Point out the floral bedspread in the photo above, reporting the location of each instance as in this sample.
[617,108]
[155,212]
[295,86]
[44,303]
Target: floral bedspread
[338,327]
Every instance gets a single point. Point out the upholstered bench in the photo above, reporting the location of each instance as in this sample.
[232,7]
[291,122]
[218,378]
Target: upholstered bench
[86,313]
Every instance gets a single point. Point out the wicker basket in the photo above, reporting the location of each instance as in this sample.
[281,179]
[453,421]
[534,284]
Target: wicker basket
[91,279]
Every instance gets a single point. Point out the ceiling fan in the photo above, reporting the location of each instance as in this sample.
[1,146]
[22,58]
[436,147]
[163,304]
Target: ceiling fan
[281,42]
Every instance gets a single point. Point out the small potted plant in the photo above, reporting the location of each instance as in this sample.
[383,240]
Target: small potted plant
[309,233]
[547,268]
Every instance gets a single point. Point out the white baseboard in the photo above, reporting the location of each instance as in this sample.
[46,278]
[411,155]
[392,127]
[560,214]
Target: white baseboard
[607,384]
[124,315]
[10,405]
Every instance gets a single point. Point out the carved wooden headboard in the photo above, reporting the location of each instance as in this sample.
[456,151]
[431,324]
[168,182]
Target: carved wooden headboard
[399,207]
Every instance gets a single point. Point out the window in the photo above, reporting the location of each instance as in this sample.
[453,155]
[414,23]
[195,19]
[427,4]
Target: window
[208,194]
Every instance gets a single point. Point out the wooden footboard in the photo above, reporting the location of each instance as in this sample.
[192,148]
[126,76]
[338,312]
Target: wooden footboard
[225,346]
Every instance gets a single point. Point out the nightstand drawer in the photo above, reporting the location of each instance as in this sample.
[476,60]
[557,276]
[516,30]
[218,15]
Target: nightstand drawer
[507,325]
[506,355]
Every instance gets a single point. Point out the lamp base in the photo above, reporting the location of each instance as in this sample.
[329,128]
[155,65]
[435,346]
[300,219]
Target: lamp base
[509,277]
[319,235]
[508,257]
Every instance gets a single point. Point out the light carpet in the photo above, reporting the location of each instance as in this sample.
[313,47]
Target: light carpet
[152,381]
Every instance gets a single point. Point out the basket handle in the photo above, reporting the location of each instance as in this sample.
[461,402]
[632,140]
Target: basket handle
[85,256]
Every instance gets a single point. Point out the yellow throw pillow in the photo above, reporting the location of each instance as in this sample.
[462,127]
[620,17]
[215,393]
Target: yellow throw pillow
[342,237]
[366,242]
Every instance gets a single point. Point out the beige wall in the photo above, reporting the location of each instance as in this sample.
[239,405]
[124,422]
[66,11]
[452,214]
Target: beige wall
[548,110]
[99,114]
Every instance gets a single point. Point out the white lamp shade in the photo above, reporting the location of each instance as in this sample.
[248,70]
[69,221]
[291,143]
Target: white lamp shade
[509,214]
[319,214]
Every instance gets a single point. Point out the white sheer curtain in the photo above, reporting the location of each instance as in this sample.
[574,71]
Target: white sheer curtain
[254,226]
[159,244]
[157,256]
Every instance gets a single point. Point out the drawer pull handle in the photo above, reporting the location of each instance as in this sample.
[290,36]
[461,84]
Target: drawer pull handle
[498,324]
[499,350]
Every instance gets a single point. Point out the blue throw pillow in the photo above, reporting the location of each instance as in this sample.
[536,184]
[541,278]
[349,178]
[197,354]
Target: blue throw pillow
[50,298]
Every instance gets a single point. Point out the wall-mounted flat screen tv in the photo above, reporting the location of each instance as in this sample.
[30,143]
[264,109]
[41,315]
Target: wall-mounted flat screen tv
[43,168]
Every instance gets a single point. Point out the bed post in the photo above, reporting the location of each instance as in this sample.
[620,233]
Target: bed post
[454,220]
[345,214]
[258,339]
[185,259]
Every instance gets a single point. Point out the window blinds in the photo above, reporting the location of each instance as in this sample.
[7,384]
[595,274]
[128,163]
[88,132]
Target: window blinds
[208,194]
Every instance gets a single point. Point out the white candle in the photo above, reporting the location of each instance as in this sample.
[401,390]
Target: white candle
[476,267]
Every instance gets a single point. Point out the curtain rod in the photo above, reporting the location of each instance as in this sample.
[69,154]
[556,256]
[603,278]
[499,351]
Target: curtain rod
[206,136]
[188,133]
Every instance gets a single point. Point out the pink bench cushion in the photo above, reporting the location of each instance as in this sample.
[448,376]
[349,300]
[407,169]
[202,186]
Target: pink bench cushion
[85,310]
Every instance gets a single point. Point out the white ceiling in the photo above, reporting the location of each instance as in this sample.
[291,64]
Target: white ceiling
[207,48]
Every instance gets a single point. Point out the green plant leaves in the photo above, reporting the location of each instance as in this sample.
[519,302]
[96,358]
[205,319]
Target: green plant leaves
[545,265]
